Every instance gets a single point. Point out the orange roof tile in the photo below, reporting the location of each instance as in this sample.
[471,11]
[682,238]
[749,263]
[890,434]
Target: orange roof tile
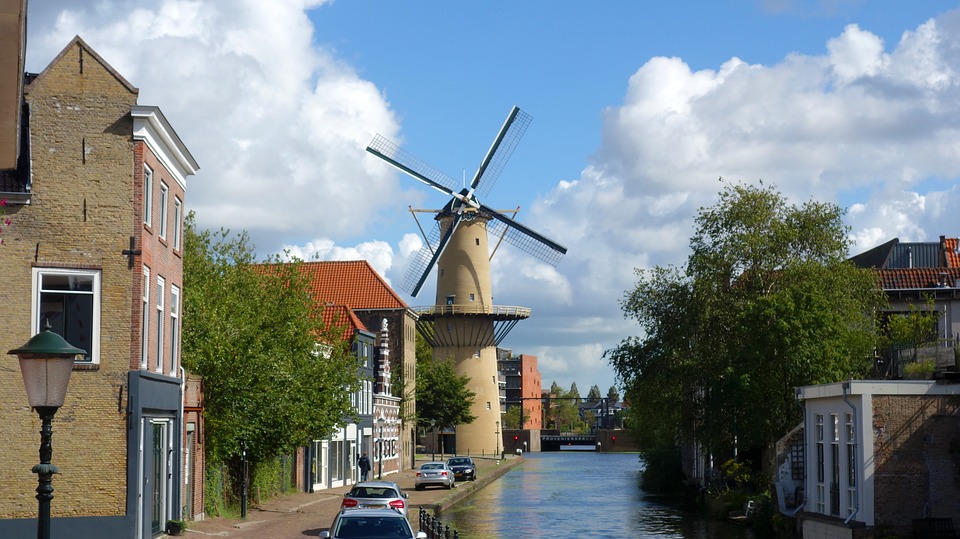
[951,247]
[353,283]
[914,278]
[341,315]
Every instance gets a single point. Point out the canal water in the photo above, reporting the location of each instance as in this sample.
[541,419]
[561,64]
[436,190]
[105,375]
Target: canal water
[577,494]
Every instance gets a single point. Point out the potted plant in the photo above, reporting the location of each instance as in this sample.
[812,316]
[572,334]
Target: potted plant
[176,527]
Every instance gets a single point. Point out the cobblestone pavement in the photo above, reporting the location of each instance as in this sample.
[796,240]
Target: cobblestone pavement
[305,514]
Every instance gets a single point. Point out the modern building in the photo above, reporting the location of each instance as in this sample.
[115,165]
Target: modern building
[522,387]
[97,200]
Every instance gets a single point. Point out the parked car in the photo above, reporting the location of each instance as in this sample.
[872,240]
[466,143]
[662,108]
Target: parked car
[370,524]
[376,495]
[434,473]
[463,468]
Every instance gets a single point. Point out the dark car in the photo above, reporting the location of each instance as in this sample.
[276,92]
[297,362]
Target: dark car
[370,524]
[376,495]
[463,468]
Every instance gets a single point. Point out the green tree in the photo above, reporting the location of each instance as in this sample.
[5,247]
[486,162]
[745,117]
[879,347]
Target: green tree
[253,335]
[442,395]
[594,394]
[511,418]
[612,395]
[766,302]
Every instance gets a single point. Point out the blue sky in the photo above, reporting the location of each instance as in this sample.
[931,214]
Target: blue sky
[638,108]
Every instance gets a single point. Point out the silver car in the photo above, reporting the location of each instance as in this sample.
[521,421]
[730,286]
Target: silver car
[434,473]
[376,495]
[370,524]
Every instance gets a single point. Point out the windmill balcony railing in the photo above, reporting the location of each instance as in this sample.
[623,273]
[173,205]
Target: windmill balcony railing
[502,310]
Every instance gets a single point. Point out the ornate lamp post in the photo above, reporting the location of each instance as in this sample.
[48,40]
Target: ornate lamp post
[433,433]
[380,422]
[46,362]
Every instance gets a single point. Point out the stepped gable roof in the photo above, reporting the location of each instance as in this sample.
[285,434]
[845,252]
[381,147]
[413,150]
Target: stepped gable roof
[353,283]
[918,278]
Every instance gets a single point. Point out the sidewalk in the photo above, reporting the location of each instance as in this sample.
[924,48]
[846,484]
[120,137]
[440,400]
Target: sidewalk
[305,514]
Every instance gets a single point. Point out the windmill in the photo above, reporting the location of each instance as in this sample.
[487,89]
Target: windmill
[463,323]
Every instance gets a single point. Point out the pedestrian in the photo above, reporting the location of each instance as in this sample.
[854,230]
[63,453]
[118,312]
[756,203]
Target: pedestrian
[364,464]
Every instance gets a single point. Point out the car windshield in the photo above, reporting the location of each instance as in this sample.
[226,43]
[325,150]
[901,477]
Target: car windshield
[368,527]
[457,462]
[437,466]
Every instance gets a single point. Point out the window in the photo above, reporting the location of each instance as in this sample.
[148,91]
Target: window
[851,435]
[145,320]
[477,240]
[147,196]
[818,436]
[164,195]
[174,330]
[488,405]
[69,300]
[471,297]
[834,465]
[177,223]
[160,288]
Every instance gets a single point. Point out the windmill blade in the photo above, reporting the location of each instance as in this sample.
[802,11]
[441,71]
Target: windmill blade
[408,163]
[427,258]
[524,237]
[500,151]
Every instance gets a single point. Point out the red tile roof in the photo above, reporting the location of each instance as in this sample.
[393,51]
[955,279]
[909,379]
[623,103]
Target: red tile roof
[353,283]
[951,247]
[914,278]
[342,316]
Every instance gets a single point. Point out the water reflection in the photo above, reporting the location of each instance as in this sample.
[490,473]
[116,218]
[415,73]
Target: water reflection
[577,494]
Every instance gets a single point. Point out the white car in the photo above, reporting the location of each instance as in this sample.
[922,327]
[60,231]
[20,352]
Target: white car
[370,524]
[434,473]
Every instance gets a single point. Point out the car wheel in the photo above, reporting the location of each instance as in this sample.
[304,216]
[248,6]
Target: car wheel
[419,487]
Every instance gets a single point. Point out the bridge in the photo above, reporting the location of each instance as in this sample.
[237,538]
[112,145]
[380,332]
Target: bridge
[568,442]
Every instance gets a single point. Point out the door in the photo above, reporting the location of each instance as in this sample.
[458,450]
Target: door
[158,476]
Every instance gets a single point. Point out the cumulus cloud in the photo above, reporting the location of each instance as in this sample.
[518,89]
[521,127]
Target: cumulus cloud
[279,125]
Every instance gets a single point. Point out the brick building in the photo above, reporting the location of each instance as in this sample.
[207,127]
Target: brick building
[877,456]
[97,198]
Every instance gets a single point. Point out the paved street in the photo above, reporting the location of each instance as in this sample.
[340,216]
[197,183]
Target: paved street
[299,515]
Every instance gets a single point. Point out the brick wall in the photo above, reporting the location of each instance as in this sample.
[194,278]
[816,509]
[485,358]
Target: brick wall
[917,452]
[79,217]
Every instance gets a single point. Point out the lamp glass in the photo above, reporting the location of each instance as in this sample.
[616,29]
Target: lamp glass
[46,379]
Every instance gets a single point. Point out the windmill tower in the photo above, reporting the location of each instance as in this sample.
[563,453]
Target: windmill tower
[464,324]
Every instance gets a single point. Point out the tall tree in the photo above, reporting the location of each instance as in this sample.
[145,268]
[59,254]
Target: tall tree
[253,335]
[442,395]
[612,395]
[766,302]
[594,394]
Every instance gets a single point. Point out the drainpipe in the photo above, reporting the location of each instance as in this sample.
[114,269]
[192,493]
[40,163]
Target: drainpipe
[183,385]
[856,440]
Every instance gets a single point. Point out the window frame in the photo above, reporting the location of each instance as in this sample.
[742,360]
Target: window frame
[97,290]
[145,321]
[177,223]
[161,292]
[147,195]
[174,329]
[164,201]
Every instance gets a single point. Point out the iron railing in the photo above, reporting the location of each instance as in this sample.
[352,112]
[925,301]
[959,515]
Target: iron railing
[435,529]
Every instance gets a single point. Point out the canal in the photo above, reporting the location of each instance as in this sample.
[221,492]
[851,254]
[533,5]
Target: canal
[577,494]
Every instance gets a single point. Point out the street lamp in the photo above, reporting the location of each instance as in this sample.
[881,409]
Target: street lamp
[380,422]
[46,362]
[433,433]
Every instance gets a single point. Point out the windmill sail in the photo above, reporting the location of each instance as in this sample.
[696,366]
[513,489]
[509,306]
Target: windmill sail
[487,173]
